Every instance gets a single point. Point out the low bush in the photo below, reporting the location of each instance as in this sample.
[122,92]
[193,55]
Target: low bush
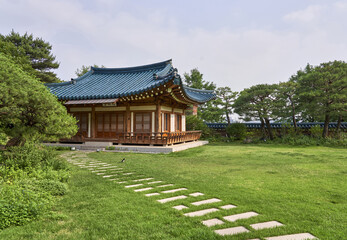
[194,123]
[237,131]
[30,178]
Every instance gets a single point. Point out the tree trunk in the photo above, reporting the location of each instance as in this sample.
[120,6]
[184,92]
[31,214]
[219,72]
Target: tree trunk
[262,127]
[269,130]
[294,120]
[227,115]
[326,126]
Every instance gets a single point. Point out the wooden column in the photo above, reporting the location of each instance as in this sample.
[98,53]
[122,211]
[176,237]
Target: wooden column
[128,127]
[93,123]
[158,118]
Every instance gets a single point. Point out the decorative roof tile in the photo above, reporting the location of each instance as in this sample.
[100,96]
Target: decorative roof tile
[105,83]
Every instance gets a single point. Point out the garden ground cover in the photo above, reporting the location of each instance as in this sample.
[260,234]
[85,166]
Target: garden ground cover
[302,187]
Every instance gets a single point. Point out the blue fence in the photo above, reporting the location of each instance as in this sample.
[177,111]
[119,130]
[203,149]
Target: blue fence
[222,126]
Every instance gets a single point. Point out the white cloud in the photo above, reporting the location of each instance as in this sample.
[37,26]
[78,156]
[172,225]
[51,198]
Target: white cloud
[311,13]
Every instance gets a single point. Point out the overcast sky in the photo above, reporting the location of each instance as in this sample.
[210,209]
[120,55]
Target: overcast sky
[235,43]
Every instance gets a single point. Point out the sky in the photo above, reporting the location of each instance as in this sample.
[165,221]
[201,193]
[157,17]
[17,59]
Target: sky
[235,43]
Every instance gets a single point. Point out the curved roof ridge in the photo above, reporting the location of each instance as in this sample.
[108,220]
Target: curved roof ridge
[198,90]
[132,69]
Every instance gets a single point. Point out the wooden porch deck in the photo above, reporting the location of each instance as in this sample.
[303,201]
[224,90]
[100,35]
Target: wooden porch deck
[155,138]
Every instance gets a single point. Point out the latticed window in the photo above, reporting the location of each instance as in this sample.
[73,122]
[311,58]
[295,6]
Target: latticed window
[142,122]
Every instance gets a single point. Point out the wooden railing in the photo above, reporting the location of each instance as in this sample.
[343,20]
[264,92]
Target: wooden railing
[160,138]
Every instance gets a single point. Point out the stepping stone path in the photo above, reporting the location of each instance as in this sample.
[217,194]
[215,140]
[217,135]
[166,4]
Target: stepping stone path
[271,224]
[212,200]
[152,194]
[201,212]
[229,206]
[300,236]
[231,231]
[174,190]
[165,200]
[233,218]
[179,207]
[197,194]
[99,168]
[167,185]
[135,185]
[143,189]
[212,222]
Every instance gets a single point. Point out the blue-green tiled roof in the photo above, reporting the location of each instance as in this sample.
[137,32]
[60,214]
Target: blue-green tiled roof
[103,83]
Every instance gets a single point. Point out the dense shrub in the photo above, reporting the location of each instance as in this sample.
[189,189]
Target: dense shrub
[194,123]
[237,131]
[316,131]
[30,177]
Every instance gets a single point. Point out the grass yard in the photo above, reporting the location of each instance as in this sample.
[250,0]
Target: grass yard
[305,188]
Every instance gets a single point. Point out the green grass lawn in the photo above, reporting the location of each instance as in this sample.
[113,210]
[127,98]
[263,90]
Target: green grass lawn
[304,188]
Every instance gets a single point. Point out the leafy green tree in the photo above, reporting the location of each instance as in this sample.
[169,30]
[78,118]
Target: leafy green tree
[84,69]
[323,91]
[257,102]
[226,98]
[210,111]
[286,102]
[28,111]
[195,80]
[38,53]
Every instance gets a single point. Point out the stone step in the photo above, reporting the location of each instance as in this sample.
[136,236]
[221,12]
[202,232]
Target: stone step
[179,207]
[196,194]
[201,212]
[134,185]
[235,217]
[174,190]
[166,185]
[143,189]
[143,179]
[231,231]
[129,173]
[165,200]
[228,206]
[299,236]
[207,201]
[155,182]
[212,222]
[270,224]
[152,194]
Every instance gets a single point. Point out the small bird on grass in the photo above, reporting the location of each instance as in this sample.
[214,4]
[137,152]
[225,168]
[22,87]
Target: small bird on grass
[123,160]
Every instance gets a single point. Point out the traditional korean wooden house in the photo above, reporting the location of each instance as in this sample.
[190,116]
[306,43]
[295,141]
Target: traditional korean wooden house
[135,105]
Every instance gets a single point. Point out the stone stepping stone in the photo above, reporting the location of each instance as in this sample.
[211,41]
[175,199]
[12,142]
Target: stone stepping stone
[100,173]
[155,182]
[143,179]
[231,231]
[174,190]
[135,185]
[165,200]
[128,173]
[196,194]
[179,207]
[201,212]
[107,167]
[143,189]
[122,182]
[270,224]
[166,185]
[113,179]
[212,222]
[299,236]
[152,194]
[228,206]
[107,176]
[211,200]
[235,217]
